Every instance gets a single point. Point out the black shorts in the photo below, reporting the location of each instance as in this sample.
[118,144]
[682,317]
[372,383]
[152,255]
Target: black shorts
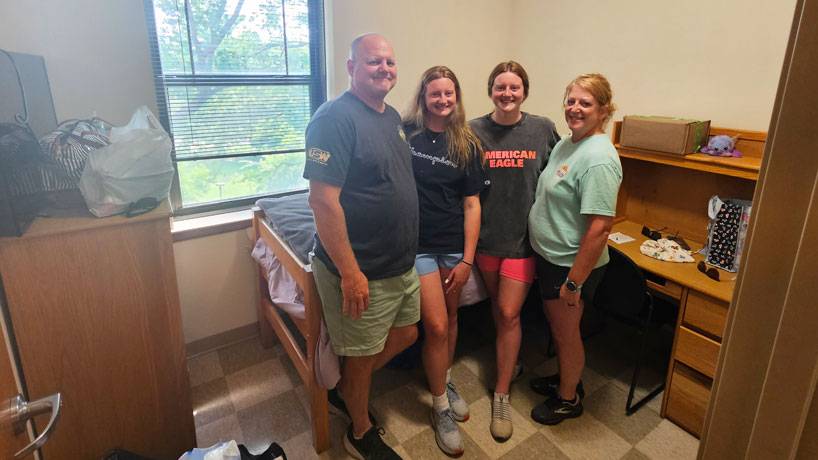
[550,279]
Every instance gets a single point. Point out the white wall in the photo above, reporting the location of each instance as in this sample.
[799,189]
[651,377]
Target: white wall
[719,60]
[705,59]
[96,53]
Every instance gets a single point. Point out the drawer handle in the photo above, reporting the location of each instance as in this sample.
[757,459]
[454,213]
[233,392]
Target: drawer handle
[20,411]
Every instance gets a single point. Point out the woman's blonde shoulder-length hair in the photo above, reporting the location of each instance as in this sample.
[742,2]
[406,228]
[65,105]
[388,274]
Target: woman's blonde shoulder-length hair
[462,142]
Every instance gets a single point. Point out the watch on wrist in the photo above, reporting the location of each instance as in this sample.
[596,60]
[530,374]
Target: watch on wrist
[572,286]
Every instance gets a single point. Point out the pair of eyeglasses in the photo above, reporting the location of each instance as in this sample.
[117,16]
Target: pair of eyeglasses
[710,272]
[655,235]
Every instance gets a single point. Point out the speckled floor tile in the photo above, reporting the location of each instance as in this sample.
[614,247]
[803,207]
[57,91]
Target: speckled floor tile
[423,446]
[257,383]
[634,454]
[273,420]
[245,354]
[404,412]
[537,446]
[204,368]
[608,405]
[211,401]
[223,429]
[586,438]
[668,442]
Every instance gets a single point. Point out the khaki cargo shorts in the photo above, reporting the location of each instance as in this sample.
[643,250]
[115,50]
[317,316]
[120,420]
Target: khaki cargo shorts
[393,302]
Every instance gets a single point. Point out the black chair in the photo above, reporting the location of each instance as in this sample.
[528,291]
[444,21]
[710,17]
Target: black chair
[623,294]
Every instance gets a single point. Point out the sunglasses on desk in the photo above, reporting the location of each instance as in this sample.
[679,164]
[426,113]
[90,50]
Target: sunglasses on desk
[655,235]
[710,272]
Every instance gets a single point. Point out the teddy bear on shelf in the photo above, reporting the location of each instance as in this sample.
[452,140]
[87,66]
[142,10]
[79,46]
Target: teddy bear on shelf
[722,146]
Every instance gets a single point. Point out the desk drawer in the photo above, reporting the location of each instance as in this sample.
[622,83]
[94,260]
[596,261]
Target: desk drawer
[706,314]
[687,398]
[665,286]
[697,351]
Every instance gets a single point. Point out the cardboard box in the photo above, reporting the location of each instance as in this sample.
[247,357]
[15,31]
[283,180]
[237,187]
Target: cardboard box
[664,134]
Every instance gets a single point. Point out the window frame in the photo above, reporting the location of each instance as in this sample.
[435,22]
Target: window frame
[315,81]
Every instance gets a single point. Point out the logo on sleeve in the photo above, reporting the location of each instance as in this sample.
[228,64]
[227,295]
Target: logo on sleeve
[401,133]
[317,155]
[562,171]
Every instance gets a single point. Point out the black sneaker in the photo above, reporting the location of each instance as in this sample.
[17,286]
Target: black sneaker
[337,406]
[370,446]
[548,386]
[555,409]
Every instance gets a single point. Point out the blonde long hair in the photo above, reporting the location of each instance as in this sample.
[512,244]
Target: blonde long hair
[463,144]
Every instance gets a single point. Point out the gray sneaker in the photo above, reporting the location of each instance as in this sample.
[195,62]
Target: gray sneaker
[501,427]
[446,433]
[460,410]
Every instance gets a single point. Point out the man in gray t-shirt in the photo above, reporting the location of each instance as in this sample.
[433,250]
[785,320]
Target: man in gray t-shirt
[363,196]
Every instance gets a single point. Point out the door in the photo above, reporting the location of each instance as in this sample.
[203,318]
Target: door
[15,413]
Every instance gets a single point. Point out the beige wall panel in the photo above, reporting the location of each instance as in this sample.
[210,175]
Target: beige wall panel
[96,53]
[695,59]
[469,36]
[217,283]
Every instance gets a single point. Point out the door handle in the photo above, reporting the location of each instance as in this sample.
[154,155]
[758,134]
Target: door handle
[19,412]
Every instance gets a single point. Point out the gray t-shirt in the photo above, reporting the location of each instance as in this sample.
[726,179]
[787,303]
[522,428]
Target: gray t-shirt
[364,152]
[515,156]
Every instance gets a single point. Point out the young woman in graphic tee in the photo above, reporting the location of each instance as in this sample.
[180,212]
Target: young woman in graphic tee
[516,148]
[449,177]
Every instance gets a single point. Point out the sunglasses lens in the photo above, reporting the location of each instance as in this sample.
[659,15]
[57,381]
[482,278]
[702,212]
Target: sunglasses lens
[713,273]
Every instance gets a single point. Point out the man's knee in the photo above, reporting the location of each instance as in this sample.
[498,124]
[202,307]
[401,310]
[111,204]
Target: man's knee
[405,335]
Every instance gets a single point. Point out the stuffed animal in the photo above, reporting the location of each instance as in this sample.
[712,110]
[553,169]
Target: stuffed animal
[722,146]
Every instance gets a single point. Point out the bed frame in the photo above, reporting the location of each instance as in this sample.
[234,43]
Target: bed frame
[271,322]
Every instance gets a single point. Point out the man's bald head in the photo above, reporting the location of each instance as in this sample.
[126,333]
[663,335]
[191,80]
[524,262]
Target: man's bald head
[356,44]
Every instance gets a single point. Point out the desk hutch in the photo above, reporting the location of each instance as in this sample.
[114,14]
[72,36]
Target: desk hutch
[670,193]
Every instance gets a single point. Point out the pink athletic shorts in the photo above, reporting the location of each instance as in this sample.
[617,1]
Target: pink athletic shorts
[516,269]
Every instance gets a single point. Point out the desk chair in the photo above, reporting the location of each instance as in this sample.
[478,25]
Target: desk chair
[623,294]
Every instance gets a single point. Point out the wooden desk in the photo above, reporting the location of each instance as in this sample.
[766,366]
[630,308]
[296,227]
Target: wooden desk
[670,193]
[95,309]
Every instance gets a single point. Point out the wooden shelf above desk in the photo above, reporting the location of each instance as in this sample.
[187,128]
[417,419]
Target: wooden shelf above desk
[750,143]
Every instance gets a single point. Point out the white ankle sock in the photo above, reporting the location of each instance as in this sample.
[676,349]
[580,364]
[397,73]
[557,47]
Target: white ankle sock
[448,375]
[441,402]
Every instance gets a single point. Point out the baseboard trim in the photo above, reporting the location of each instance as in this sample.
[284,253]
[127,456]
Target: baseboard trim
[221,340]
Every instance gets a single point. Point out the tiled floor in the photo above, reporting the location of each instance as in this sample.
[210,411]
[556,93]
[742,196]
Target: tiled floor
[255,396]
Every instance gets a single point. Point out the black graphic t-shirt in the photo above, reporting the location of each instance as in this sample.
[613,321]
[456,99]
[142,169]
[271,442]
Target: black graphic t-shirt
[364,152]
[515,156]
[441,187]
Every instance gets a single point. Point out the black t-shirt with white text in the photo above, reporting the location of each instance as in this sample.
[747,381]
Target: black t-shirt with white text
[352,146]
[441,187]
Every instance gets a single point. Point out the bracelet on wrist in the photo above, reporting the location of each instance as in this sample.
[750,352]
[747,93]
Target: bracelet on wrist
[467,263]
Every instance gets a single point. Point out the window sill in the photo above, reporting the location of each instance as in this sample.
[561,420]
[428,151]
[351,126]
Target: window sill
[199,227]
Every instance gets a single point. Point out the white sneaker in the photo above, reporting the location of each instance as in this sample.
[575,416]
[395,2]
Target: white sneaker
[501,428]
[446,433]
[460,410]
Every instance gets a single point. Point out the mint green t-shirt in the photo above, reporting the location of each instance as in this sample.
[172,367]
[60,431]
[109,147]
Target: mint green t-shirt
[580,179]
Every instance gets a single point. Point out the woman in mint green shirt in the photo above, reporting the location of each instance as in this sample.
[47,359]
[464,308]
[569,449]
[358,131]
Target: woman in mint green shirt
[568,226]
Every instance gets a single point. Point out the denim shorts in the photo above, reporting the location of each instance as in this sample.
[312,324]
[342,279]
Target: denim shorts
[429,263]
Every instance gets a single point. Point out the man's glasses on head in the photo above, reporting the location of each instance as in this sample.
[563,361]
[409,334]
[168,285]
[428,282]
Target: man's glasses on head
[655,235]
[710,272]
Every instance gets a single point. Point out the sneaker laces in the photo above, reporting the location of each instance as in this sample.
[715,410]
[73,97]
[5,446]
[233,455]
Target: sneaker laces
[451,391]
[446,421]
[501,408]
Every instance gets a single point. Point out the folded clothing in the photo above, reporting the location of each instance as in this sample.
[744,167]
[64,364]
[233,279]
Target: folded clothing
[665,249]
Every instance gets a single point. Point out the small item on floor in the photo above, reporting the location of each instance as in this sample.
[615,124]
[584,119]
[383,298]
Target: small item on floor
[230,451]
[666,250]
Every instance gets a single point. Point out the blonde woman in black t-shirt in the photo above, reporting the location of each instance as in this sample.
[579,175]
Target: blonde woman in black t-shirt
[449,176]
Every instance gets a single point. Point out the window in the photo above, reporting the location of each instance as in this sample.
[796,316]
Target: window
[236,84]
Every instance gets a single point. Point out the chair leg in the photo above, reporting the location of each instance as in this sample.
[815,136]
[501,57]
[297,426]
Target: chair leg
[629,407]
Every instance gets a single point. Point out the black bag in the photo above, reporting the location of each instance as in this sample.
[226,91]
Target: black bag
[21,179]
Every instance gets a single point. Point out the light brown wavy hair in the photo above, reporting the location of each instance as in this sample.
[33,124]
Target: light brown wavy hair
[463,144]
[600,89]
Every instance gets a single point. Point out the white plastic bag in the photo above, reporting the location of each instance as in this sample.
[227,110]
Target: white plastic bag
[136,165]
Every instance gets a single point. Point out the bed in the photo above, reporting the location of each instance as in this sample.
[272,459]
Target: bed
[283,228]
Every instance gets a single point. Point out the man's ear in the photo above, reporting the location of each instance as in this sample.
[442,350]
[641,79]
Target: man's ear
[350,66]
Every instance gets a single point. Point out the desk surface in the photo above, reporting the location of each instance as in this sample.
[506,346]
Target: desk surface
[685,274]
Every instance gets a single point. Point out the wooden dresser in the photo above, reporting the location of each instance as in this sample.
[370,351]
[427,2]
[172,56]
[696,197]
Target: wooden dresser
[670,193]
[94,307]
